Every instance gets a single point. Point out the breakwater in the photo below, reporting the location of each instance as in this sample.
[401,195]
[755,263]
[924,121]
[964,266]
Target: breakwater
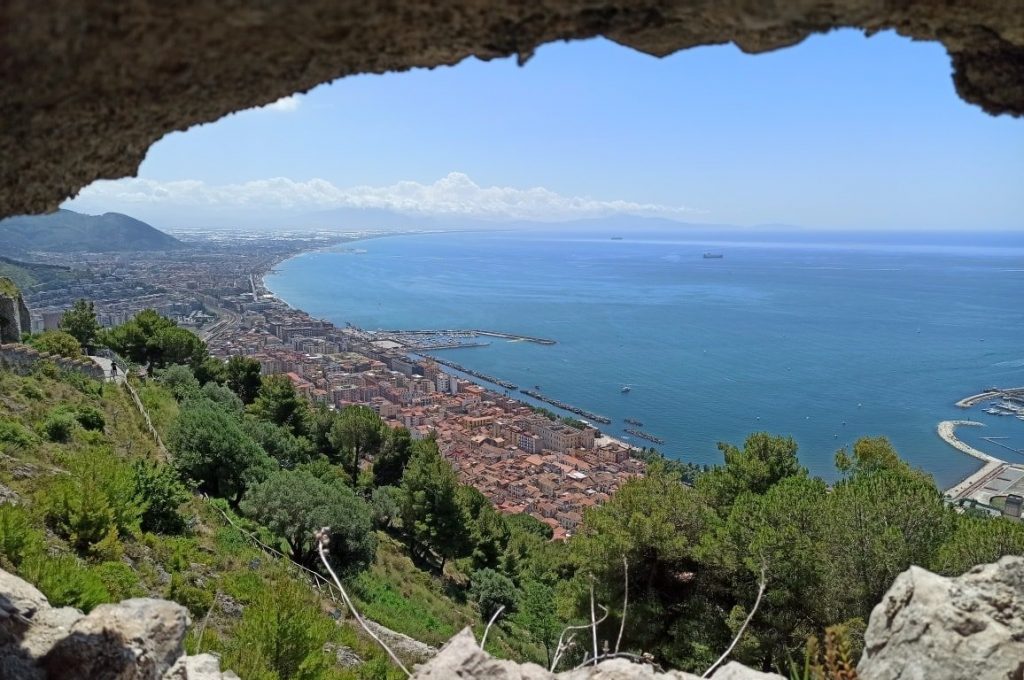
[461,332]
[990,393]
[645,435]
[976,481]
[469,371]
[567,407]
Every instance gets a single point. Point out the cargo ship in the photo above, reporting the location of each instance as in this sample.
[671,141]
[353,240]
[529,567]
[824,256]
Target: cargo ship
[713,256]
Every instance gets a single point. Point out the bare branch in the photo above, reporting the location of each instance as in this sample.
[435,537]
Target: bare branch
[560,648]
[593,619]
[483,640]
[743,628]
[323,538]
[625,603]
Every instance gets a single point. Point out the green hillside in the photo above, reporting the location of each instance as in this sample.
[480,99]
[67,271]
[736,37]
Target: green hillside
[66,231]
[28,274]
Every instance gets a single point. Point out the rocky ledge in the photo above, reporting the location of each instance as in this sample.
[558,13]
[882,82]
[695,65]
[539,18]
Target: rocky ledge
[139,639]
[927,626]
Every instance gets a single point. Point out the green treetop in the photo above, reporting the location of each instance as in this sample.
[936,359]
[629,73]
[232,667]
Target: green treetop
[80,321]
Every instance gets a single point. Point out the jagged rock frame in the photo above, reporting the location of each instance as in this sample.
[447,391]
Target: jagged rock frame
[87,86]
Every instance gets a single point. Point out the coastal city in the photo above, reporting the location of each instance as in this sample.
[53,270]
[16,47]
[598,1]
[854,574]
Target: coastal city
[501,437]
[523,458]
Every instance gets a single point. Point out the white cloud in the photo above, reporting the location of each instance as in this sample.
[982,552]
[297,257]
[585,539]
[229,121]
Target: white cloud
[284,104]
[453,195]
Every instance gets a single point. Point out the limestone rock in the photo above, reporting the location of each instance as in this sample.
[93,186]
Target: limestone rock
[14,315]
[463,658]
[134,639]
[84,93]
[19,604]
[138,639]
[929,627]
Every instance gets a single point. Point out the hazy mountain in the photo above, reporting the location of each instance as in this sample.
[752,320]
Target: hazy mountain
[68,231]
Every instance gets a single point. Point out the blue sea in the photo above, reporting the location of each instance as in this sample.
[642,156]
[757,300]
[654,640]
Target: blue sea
[825,338]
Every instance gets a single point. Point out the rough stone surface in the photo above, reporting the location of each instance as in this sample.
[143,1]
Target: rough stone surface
[403,645]
[932,627]
[139,639]
[463,658]
[87,87]
[14,315]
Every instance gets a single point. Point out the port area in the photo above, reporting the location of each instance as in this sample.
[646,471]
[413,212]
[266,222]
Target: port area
[433,339]
[996,478]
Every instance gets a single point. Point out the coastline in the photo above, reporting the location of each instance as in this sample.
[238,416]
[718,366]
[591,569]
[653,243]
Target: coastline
[258,277]
[950,471]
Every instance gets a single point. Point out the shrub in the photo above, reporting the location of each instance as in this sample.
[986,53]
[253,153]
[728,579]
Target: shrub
[491,590]
[120,580]
[180,380]
[164,494]
[15,434]
[59,425]
[91,418]
[57,342]
[46,369]
[95,503]
[282,635]
[197,600]
[220,394]
[82,383]
[18,538]
[65,581]
[31,390]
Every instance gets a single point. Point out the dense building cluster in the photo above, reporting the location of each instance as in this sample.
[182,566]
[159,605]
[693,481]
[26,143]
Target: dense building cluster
[522,460]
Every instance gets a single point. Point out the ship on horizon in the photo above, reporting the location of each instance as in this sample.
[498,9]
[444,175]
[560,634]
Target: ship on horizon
[713,256]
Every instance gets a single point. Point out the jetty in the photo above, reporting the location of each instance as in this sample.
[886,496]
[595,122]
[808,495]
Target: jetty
[417,335]
[644,435]
[992,469]
[469,371]
[991,393]
[566,407]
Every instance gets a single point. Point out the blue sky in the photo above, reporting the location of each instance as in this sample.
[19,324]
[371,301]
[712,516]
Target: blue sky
[841,131]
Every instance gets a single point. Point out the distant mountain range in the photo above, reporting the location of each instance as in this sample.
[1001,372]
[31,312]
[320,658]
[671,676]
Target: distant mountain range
[66,231]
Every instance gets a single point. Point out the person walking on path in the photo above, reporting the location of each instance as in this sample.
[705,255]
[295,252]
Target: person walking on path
[113,370]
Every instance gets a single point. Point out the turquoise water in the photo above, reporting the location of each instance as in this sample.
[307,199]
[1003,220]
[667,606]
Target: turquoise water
[826,341]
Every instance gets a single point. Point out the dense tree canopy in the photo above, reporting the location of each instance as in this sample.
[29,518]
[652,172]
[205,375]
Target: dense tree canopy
[211,449]
[356,434]
[243,376]
[155,341]
[395,449]
[294,504]
[431,515]
[277,402]
[80,322]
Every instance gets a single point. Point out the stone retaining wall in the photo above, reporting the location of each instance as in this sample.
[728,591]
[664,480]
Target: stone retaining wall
[22,359]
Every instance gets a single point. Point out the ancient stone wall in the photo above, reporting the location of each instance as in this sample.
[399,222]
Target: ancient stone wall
[23,359]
